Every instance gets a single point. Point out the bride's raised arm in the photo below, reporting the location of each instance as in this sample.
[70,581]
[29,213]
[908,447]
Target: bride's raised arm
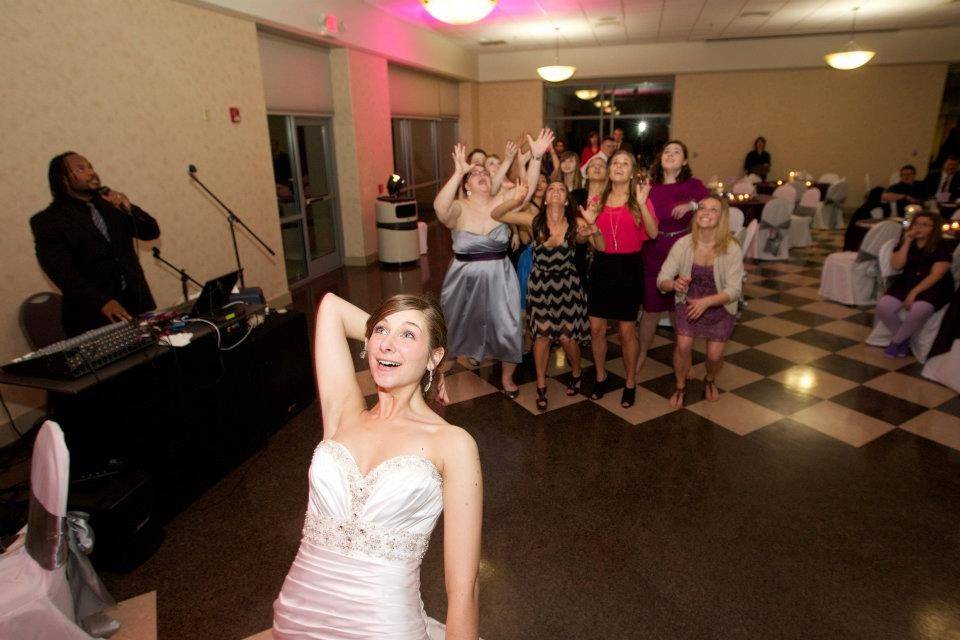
[462,519]
[337,321]
[445,205]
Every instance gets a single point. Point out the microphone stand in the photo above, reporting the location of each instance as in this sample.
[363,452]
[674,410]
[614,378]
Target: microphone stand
[233,219]
[184,276]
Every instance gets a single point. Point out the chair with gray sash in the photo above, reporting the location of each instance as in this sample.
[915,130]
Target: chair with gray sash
[802,218]
[854,277]
[773,237]
[48,588]
[829,214]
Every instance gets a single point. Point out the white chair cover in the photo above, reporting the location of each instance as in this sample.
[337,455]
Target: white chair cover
[773,237]
[736,220]
[753,178]
[743,186]
[810,198]
[829,178]
[802,218]
[36,603]
[945,368]
[785,191]
[47,583]
[876,213]
[829,214]
[854,277]
[747,236]
[894,177]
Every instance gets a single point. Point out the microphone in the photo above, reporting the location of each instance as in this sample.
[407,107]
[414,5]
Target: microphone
[156,252]
[104,190]
[192,168]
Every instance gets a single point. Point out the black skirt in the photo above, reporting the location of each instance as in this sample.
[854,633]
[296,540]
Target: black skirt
[615,289]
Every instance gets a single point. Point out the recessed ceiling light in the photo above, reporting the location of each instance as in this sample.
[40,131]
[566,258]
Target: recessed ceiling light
[491,43]
[754,14]
[608,19]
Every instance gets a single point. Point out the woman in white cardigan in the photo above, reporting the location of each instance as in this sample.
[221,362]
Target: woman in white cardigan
[705,270]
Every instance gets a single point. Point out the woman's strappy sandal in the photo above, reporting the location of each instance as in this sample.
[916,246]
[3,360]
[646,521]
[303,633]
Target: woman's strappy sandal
[542,398]
[709,385]
[680,393]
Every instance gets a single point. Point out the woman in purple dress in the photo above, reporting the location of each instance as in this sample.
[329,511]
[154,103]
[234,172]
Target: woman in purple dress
[705,269]
[674,193]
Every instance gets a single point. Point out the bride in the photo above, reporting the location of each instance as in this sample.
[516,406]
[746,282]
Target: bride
[378,482]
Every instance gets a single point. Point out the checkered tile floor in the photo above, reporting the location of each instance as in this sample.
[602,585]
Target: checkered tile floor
[793,355]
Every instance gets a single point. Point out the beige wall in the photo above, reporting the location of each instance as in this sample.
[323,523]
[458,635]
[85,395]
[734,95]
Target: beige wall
[868,121]
[142,89]
[469,96]
[506,109]
[364,146]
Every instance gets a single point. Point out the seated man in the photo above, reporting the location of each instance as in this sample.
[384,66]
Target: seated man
[907,191]
[944,185]
[84,243]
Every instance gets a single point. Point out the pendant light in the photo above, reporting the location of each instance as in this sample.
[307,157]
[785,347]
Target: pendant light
[459,11]
[851,56]
[556,72]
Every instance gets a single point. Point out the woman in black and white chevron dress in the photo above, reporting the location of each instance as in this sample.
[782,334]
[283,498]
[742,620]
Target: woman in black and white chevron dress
[556,303]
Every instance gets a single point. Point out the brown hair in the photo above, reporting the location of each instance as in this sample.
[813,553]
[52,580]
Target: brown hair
[656,169]
[632,203]
[577,178]
[933,242]
[436,328]
[722,236]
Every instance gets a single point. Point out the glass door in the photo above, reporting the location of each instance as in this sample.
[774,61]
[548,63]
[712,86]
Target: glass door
[307,200]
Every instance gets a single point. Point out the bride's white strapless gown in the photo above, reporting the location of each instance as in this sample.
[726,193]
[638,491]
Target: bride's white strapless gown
[357,573]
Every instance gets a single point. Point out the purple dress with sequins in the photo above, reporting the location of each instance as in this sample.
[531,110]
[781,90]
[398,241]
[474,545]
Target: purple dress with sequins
[715,323]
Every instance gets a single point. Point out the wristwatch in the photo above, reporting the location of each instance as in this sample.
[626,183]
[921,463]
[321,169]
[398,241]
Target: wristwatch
[693,205]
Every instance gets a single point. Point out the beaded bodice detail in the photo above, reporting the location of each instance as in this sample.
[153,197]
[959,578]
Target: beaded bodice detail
[389,513]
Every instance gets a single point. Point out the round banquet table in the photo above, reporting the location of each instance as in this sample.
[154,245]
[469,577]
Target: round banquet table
[767,188]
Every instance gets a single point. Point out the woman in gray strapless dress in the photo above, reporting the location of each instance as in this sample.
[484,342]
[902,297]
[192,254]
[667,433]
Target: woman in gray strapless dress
[481,295]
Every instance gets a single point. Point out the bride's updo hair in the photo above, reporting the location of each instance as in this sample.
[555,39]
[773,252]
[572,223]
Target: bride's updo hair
[430,308]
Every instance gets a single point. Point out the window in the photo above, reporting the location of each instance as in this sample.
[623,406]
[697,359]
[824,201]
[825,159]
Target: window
[640,107]
[421,156]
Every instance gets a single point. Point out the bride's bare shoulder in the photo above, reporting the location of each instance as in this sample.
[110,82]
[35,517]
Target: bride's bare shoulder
[456,444]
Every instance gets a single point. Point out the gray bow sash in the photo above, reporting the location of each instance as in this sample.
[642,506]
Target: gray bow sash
[775,237]
[834,212]
[873,270]
[55,540]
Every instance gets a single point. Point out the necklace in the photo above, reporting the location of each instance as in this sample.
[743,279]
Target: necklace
[614,226]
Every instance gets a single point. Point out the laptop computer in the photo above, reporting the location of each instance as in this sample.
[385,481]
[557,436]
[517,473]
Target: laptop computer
[214,295]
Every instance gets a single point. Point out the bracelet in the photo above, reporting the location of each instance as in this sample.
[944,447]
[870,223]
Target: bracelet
[693,205]
[539,157]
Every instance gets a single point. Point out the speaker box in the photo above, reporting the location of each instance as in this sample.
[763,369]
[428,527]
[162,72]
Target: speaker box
[126,527]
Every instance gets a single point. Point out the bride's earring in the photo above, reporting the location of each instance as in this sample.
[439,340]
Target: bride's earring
[468,192]
[363,351]
[429,380]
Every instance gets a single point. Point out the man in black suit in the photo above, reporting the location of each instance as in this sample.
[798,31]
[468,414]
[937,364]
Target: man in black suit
[944,185]
[84,243]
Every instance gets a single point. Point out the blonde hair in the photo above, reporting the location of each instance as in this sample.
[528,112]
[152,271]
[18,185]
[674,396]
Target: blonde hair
[721,235]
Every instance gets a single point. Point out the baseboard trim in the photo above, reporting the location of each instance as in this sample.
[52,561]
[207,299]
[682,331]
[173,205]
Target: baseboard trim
[360,261]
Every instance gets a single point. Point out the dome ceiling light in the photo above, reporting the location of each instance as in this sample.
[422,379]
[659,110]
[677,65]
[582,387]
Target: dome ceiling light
[556,72]
[851,56]
[459,11]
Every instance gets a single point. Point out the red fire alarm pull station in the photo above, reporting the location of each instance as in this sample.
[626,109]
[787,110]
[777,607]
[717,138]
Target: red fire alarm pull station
[234,114]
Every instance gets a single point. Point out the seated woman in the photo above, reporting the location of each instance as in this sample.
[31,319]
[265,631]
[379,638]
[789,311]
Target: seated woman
[378,483]
[705,271]
[924,285]
[556,303]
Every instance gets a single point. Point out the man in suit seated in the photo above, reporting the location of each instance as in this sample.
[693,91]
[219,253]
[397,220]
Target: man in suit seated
[84,243]
[944,185]
[907,191]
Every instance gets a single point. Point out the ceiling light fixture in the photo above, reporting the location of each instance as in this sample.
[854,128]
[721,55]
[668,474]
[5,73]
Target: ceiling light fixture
[586,94]
[851,56]
[459,11]
[556,72]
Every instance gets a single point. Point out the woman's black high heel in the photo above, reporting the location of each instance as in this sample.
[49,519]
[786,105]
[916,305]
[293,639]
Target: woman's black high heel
[542,398]
[628,397]
[574,387]
[599,388]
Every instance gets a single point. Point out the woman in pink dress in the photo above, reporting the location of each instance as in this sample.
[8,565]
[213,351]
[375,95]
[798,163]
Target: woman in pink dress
[675,194]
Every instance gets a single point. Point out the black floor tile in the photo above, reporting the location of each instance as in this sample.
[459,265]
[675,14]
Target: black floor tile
[665,386]
[776,285]
[914,369]
[776,397]
[864,318]
[811,272]
[664,354]
[746,315]
[848,368]
[750,336]
[788,299]
[823,340]
[759,362]
[951,406]
[805,318]
[879,405]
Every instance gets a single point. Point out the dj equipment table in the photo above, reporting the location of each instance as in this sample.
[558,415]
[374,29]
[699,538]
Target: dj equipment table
[183,416]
